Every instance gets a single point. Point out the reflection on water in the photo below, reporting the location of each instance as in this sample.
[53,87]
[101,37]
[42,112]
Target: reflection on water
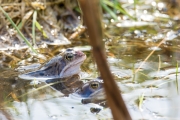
[127,45]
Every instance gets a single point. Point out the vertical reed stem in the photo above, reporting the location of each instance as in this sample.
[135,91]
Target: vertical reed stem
[91,15]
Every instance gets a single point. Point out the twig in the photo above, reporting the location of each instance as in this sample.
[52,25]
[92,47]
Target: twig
[9,55]
[149,56]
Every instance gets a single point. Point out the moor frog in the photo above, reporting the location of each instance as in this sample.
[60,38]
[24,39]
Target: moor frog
[58,67]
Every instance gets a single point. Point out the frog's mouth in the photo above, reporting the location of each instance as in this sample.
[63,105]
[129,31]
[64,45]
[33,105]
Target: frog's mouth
[73,67]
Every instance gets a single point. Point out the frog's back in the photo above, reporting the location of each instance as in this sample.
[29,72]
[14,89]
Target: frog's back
[49,70]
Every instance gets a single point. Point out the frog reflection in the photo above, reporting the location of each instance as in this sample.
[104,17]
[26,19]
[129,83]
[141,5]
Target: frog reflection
[65,85]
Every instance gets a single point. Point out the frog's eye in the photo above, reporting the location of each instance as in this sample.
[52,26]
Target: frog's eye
[94,85]
[69,56]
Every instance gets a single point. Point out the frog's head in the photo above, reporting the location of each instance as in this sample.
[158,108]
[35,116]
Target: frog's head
[73,60]
[91,88]
[93,92]
[58,67]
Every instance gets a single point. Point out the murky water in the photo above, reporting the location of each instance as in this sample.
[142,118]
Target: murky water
[149,88]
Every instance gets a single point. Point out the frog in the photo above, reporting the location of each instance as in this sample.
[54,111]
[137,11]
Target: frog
[60,66]
[91,91]
[91,88]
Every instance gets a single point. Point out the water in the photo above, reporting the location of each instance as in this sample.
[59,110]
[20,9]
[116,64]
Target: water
[149,88]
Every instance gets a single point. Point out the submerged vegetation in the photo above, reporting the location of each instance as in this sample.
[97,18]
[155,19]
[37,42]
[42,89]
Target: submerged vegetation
[142,47]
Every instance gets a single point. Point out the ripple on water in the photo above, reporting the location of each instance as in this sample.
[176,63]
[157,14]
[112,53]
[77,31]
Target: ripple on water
[165,73]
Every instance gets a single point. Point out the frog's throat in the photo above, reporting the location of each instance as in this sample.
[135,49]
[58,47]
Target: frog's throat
[72,67]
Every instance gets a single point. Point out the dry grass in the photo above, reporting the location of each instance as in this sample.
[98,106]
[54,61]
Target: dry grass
[54,17]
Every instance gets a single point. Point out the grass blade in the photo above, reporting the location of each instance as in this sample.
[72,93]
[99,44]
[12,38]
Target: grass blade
[105,7]
[141,98]
[117,6]
[177,78]
[19,32]
[39,27]
[33,27]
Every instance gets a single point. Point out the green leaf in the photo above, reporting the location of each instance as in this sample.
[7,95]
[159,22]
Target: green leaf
[39,27]
[177,78]
[117,6]
[105,7]
[141,98]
